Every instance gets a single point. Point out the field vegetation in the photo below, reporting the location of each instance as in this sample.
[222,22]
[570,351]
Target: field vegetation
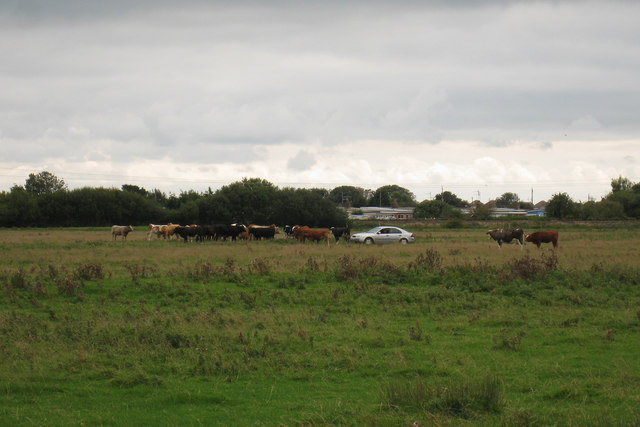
[448,331]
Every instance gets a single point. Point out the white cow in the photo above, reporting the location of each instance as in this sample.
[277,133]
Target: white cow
[120,230]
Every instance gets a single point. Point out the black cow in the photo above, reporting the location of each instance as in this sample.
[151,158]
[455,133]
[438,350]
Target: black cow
[258,232]
[207,232]
[229,230]
[188,233]
[507,236]
[338,232]
[288,230]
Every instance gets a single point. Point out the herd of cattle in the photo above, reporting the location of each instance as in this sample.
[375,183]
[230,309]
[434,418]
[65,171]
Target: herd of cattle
[216,232]
[301,233]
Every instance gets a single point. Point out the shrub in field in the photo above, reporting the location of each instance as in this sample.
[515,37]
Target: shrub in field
[230,271]
[430,260]
[69,286]
[350,268]
[260,267]
[454,223]
[18,280]
[138,272]
[90,271]
[311,265]
[202,271]
[529,268]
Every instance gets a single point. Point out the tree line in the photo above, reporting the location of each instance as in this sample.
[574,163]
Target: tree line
[45,201]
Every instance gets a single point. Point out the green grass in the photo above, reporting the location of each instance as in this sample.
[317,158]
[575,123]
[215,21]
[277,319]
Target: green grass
[448,331]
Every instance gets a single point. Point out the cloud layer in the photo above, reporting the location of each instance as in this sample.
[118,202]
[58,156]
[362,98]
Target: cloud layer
[419,94]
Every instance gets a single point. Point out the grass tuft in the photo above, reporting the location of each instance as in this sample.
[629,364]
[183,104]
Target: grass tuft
[460,399]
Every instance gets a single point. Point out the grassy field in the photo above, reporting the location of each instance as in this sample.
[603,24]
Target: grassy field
[447,331]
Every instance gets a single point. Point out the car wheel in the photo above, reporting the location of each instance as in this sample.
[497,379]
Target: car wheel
[368,241]
[403,241]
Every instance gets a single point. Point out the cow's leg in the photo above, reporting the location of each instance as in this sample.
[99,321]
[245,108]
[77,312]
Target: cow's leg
[499,244]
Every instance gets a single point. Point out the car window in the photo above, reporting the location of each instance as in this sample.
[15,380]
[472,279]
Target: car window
[394,230]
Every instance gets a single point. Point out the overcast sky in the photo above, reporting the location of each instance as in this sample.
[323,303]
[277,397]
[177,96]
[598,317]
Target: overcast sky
[474,97]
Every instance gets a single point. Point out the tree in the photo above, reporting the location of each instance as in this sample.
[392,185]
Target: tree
[481,211]
[392,195]
[43,183]
[451,199]
[134,189]
[603,210]
[508,200]
[560,206]
[429,209]
[621,184]
[19,208]
[348,196]
[627,194]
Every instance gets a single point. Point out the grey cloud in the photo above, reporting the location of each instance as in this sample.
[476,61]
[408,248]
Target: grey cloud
[301,161]
[208,77]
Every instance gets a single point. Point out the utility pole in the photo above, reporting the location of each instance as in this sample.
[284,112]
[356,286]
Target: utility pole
[531,195]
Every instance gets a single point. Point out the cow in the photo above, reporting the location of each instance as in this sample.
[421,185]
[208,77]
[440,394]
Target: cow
[168,230]
[506,236]
[120,230]
[207,232]
[304,233]
[154,229]
[338,232]
[229,230]
[258,232]
[188,233]
[539,237]
[288,230]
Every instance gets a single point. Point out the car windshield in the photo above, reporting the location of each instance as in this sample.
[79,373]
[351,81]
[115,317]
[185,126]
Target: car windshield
[374,230]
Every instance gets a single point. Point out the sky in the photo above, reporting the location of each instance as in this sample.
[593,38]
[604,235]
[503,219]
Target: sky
[474,97]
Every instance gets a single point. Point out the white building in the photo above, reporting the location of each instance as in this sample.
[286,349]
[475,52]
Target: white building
[377,213]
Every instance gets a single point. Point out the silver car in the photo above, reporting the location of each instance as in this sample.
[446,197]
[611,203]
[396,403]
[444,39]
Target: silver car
[383,234]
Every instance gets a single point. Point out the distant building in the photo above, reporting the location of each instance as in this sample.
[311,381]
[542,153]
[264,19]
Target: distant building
[377,213]
[498,212]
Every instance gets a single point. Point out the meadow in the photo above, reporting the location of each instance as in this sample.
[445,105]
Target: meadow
[447,331]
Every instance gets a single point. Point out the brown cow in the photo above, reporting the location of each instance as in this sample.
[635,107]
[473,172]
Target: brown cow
[313,234]
[168,230]
[539,237]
